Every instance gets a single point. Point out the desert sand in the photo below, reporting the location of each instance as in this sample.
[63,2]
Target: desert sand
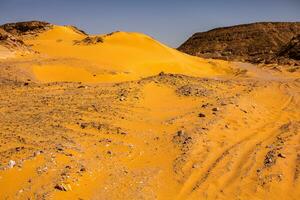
[121,116]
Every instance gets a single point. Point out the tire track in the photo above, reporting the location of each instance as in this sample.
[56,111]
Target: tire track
[197,178]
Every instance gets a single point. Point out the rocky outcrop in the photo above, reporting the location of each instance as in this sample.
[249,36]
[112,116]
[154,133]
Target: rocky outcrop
[26,28]
[255,43]
[11,42]
[292,49]
[89,40]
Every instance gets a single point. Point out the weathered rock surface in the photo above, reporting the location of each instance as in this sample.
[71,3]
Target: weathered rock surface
[255,43]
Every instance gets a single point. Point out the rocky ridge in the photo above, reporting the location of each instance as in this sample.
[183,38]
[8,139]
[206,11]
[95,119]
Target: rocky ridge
[255,43]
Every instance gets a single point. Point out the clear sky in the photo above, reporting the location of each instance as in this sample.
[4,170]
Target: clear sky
[169,21]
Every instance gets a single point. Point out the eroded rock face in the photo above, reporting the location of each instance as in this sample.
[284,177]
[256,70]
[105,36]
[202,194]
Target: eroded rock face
[256,43]
[10,41]
[21,28]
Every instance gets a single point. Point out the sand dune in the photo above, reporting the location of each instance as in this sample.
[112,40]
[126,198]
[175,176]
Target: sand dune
[117,56]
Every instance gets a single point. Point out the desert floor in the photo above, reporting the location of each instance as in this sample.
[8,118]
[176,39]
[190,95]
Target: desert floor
[163,137]
[129,118]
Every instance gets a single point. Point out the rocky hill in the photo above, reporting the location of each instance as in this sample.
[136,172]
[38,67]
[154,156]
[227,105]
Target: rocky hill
[256,43]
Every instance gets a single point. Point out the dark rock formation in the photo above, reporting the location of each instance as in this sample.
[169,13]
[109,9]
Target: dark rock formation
[23,28]
[292,49]
[10,41]
[256,43]
[90,40]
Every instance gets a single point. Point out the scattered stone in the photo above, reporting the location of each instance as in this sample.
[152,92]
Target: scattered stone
[161,74]
[122,98]
[82,169]
[59,148]
[61,187]
[191,90]
[204,105]
[11,163]
[83,125]
[201,115]
[215,109]
[19,148]
[37,153]
[243,110]
[270,159]
[281,155]
[182,140]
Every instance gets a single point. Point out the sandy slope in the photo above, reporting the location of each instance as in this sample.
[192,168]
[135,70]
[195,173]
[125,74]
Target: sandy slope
[193,136]
[119,56]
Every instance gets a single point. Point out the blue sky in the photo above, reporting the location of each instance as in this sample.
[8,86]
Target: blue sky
[169,21]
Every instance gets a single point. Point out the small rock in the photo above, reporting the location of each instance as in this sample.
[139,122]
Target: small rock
[204,105]
[201,115]
[82,169]
[58,148]
[83,125]
[122,98]
[215,109]
[61,187]
[11,163]
[180,133]
[37,153]
[281,155]
[19,148]
[161,73]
